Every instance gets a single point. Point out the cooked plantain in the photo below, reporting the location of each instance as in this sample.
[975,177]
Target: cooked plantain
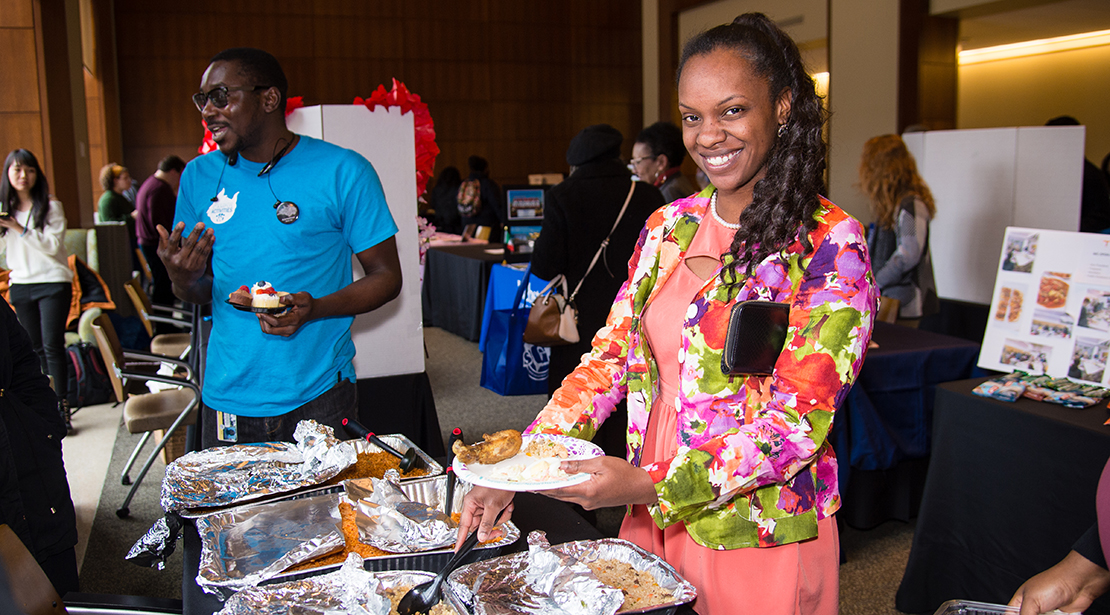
[495,447]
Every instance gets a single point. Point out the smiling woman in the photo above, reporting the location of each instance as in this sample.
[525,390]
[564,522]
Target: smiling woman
[728,476]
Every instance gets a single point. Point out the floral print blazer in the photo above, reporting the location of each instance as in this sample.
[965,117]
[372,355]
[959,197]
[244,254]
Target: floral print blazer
[754,466]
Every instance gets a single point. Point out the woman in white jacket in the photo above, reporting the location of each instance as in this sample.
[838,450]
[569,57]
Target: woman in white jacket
[32,229]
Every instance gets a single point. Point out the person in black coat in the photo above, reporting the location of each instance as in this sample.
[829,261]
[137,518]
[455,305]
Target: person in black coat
[578,215]
[34,492]
[446,218]
[491,213]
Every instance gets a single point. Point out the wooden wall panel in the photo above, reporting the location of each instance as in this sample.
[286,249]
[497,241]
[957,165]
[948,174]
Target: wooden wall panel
[509,80]
[19,94]
[21,130]
[17,14]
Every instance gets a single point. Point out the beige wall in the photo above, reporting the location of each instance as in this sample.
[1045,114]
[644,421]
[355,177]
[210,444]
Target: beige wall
[1029,91]
[649,18]
[863,90]
[803,20]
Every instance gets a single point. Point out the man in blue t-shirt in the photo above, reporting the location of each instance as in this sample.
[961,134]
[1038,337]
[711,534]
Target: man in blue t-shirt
[290,210]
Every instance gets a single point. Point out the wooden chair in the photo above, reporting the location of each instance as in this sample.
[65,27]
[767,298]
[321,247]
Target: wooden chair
[31,588]
[888,309]
[175,345]
[167,410]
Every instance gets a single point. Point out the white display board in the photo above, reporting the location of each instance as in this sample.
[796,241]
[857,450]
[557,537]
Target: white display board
[390,340]
[984,180]
[1050,309]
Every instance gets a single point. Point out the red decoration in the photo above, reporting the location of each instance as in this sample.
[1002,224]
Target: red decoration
[399,96]
[426,148]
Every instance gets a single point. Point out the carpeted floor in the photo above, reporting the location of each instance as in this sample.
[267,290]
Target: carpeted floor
[868,579]
[104,570]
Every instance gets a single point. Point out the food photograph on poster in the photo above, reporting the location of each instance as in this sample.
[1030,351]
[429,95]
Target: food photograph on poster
[1053,292]
[1088,361]
[1008,305]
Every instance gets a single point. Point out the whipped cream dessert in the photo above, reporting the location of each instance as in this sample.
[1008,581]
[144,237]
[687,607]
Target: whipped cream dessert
[263,295]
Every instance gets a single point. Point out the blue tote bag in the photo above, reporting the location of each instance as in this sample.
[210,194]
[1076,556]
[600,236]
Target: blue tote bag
[510,366]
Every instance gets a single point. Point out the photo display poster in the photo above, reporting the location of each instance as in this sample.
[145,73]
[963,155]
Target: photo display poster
[1050,311]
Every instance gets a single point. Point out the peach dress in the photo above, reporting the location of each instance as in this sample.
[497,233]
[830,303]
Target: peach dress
[799,578]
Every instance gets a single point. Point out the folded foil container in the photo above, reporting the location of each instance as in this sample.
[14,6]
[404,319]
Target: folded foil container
[254,543]
[506,585]
[217,478]
[349,589]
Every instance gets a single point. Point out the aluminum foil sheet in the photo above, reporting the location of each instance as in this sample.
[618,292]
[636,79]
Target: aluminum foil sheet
[227,475]
[389,520]
[157,544]
[245,546]
[542,581]
[351,589]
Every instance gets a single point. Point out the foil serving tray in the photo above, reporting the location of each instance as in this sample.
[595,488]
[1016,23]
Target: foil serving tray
[398,442]
[460,582]
[428,490]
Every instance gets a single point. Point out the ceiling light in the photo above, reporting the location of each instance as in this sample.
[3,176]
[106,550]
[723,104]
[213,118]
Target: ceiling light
[1037,47]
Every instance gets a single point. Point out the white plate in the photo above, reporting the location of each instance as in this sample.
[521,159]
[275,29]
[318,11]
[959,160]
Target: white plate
[493,475]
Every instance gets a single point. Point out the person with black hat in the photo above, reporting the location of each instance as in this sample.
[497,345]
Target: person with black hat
[579,214]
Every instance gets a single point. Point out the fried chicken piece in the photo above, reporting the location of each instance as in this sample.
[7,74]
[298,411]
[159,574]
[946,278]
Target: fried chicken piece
[495,447]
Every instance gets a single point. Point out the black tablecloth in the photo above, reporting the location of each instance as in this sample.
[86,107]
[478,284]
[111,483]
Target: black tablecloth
[455,281]
[401,404]
[883,430]
[1011,486]
[530,512]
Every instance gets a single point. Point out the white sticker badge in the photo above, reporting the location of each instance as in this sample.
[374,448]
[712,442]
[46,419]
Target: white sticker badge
[224,208]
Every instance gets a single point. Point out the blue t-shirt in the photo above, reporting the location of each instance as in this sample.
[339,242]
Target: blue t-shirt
[342,212]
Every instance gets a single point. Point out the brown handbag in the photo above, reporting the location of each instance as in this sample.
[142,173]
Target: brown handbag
[553,319]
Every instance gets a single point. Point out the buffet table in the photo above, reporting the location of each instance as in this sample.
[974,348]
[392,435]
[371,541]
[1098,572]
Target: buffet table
[1010,488]
[883,430]
[531,512]
[455,281]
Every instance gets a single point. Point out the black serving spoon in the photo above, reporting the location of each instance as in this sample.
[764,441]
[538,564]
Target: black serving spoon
[409,458]
[426,595]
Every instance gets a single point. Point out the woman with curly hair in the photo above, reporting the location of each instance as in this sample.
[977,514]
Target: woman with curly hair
[32,230]
[730,477]
[899,238]
[113,206]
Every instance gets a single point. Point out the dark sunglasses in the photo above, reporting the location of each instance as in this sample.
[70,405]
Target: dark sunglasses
[218,95]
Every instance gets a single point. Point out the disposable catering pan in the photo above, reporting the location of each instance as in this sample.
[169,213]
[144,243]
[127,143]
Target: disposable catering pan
[321,594]
[430,491]
[966,607]
[469,577]
[398,442]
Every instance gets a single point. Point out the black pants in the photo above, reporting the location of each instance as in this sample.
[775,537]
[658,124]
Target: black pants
[336,404]
[43,309]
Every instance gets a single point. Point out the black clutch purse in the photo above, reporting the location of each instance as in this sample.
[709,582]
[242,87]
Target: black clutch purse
[756,334]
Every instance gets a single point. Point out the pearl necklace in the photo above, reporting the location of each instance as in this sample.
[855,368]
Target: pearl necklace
[717,216]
